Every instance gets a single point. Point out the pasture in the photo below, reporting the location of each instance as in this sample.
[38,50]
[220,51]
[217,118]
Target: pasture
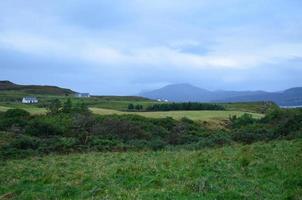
[193,115]
[100,110]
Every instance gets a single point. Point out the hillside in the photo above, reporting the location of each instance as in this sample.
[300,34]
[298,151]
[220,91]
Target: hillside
[34,89]
[187,92]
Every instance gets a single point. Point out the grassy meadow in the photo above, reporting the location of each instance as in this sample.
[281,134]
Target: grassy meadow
[258,171]
[107,105]
[193,115]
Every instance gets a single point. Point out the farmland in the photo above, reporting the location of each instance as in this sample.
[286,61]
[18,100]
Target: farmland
[193,115]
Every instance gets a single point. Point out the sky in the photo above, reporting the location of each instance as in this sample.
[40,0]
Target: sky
[123,47]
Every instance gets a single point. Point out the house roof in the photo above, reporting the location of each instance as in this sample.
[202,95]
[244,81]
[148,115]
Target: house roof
[83,94]
[30,98]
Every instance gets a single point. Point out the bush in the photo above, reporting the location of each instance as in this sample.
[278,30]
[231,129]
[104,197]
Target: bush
[20,147]
[16,113]
[102,144]
[14,118]
[216,139]
[59,145]
[41,127]
[245,119]
[123,129]
[253,133]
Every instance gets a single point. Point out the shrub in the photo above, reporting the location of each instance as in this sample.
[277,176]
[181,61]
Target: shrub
[59,144]
[215,139]
[54,107]
[102,144]
[253,133]
[41,127]
[14,118]
[124,129]
[16,113]
[245,119]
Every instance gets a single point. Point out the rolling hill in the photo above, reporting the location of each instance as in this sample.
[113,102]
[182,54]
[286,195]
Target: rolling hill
[34,89]
[187,92]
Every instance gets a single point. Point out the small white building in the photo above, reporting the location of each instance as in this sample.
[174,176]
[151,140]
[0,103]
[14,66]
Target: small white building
[162,100]
[30,100]
[82,95]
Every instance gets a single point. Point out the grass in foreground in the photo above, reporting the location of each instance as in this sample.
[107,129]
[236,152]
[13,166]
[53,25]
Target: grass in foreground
[193,115]
[259,171]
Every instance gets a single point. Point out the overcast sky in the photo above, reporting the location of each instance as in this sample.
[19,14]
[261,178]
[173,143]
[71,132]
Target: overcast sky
[124,46]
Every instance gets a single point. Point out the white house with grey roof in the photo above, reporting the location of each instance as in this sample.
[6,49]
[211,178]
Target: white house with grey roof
[82,95]
[29,100]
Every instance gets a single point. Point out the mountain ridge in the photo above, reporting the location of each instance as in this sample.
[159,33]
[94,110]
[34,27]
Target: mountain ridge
[187,92]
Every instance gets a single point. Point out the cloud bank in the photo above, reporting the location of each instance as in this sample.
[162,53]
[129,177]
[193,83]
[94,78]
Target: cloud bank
[124,46]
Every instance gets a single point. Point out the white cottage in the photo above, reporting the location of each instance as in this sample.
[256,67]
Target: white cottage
[82,95]
[30,100]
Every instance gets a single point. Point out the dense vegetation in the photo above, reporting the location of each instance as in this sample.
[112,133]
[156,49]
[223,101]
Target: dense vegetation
[184,106]
[70,127]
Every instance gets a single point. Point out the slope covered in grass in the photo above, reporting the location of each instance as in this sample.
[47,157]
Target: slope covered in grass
[259,171]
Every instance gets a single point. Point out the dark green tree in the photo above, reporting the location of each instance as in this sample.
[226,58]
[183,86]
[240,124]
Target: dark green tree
[54,107]
[130,106]
[81,108]
[138,107]
[67,107]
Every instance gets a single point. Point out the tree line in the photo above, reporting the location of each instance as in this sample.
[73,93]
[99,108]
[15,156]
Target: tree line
[137,107]
[184,106]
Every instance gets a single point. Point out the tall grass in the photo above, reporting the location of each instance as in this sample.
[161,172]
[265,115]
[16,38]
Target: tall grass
[259,171]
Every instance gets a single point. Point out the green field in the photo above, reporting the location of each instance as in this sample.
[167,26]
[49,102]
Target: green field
[259,171]
[32,109]
[194,115]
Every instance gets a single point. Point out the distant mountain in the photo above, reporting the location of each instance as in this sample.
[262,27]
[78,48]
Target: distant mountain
[178,92]
[187,92]
[34,89]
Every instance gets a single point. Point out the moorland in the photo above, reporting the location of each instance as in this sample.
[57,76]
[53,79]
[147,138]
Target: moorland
[115,147]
